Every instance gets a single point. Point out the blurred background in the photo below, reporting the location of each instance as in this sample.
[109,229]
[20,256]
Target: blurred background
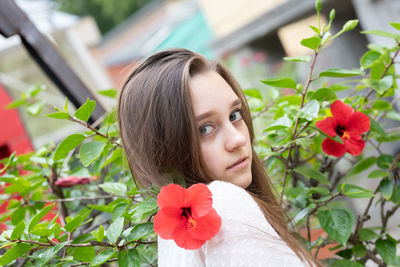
[102,40]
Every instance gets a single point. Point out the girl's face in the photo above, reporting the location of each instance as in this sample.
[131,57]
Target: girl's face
[224,137]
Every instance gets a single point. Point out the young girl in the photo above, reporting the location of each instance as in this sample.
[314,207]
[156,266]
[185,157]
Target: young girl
[180,113]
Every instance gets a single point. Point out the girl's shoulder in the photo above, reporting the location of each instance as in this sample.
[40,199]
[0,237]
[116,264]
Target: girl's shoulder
[238,209]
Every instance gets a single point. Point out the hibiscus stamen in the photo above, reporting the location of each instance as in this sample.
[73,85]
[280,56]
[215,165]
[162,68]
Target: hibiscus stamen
[346,135]
[191,223]
[187,213]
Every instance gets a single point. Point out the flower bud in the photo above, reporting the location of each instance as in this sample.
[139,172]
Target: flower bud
[332,14]
[318,5]
[349,25]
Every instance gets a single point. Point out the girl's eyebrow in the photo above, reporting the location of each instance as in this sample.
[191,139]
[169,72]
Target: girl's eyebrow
[209,113]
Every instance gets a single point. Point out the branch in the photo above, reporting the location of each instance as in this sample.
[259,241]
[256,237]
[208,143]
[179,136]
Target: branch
[85,124]
[81,198]
[323,203]
[303,96]
[384,72]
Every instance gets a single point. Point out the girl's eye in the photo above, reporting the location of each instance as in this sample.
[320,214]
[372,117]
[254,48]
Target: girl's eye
[236,115]
[205,129]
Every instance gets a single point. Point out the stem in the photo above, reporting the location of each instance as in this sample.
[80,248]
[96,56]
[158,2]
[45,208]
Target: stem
[323,203]
[303,96]
[81,198]
[94,130]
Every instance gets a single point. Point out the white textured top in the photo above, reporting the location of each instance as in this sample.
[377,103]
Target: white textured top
[245,238]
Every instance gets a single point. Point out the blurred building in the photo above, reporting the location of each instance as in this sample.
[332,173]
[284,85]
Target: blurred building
[160,24]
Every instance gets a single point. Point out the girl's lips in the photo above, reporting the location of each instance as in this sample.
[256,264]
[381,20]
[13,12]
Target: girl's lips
[240,164]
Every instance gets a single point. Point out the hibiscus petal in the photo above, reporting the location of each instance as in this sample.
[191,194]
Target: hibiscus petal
[166,221]
[172,195]
[200,199]
[328,126]
[333,148]
[341,112]
[207,226]
[184,240]
[359,123]
[355,145]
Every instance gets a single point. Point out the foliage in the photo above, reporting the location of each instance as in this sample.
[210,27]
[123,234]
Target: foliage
[110,219]
[107,14]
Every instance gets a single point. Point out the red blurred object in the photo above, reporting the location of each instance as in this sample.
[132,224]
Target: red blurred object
[14,138]
[71,181]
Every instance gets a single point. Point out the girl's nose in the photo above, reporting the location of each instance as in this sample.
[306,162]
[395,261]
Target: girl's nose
[235,138]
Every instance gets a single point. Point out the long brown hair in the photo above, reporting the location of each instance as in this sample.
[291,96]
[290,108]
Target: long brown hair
[160,136]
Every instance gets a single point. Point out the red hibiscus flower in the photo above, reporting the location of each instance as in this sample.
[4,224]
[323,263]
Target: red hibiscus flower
[71,181]
[349,125]
[186,215]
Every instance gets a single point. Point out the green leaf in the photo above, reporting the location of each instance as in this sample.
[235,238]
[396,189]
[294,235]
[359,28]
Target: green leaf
[354,191]
[112,93]
[16,103]
[36,219]
[337,222]
[359,250]
[380,33]
[340,73]
[362,166]
[66,105]
[367,234]
[114,188]
[319,190]
[324,94]
[396,195]
[315,29]
[67,145]
[77,221]
[384,161]
[312,42]
[115,229]
[51,252]
[90,151]
[310,110]
[378,174]
[393,115]
[58,115]
[84,253]
[100,234]
[149,205]
[376,127]
[253,93]
[34,109]
[349,25]
[280,82]
[386,188]
[298,59]
[280,123]
[102,257]
[309,172]
[129,258]
[84,111]
[381,105]
[386,249]
[18,230]
[15,252]
[18,215]
[382,85]
[369,59]
[395,25]
[139,231]
[346,263]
